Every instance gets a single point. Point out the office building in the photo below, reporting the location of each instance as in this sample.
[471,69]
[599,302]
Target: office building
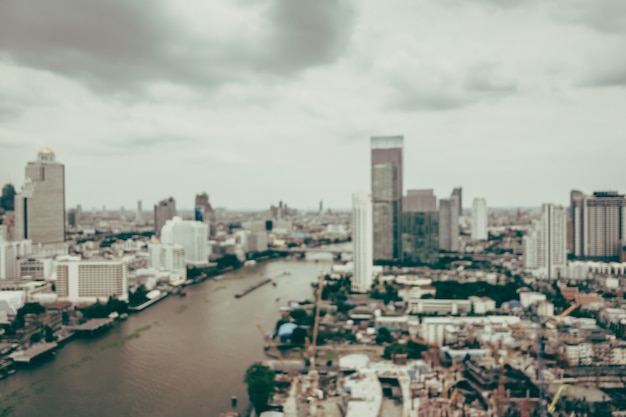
[164,211]
[420,228]
[204,211]
[362,241]
[479,219]
[449,224]
[191,235]
[40,207]
[458,193]
[598,225]
[419,201]
[139,214]
[545,245]
[387,191]
[90,281]
[168,258]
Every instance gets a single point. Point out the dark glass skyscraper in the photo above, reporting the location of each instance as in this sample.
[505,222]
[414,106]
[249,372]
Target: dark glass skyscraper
[387,196]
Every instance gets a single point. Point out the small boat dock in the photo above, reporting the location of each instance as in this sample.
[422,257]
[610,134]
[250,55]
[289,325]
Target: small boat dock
[91,327]
[28,356]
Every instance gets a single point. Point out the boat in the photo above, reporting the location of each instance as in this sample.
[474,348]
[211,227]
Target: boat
[123,316]
[274,283]
[277,300]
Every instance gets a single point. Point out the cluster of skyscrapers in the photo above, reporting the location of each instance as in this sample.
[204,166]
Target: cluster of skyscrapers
[595,230]
[408,229]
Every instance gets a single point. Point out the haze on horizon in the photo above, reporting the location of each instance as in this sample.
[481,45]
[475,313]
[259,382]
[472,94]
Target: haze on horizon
[260,101]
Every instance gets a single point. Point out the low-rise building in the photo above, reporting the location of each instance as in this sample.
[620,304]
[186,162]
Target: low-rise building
[89,281]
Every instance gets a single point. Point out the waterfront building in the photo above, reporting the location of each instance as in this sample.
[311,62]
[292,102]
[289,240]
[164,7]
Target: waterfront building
[449,224]
[598,225]
[10,303]
[386,174]
[362,241]
[10,251]
[458,193]
[420,228]
[545,245]
[164,211]
[40,206]
[191,235]
[479,219]
[89,281]
[168,258]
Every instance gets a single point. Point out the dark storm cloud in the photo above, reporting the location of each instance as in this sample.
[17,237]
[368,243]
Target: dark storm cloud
[118,44]
[309,33]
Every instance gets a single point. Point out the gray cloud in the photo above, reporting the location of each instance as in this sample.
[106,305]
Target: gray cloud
[8,111]
[117,44]
[603,15]
[440,92]
[609,76]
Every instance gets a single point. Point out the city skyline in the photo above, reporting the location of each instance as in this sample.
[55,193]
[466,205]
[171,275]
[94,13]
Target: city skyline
[490,104]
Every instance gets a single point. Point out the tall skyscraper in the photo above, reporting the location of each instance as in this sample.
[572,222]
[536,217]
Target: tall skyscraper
[420,228]
[139,214]
[362,241]
[204,211]
[419,201]
[387,195]
[599,225]
[40,207]
[479,219]
[165,210]
[458,193]
[545,246]
[449,224]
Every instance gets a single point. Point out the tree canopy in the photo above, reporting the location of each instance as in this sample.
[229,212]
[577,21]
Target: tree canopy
[260,381]
[7,200]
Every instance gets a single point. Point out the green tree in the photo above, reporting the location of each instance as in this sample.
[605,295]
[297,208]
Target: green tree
[383,336]
[48,334]
[7,200]
[300,316]
[260,382]
[298,336]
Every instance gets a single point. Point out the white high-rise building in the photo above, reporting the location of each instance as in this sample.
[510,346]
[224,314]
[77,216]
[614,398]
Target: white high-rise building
[362,241]
[191,235]
[169,258]
[479,219]
[9,253]
[545,246]
[89,281]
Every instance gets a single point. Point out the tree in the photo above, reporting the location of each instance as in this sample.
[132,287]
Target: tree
[7,200]
[299,316]
[48,334]
[298,336]
[383,336]
[260,381]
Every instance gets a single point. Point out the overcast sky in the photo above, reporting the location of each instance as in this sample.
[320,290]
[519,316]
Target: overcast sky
[253,101]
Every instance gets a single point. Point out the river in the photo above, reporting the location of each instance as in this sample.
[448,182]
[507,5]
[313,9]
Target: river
[184,356]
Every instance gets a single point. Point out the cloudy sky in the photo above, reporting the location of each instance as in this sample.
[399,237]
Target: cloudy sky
[254,101]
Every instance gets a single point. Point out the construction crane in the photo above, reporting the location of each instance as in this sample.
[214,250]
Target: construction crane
[568,311]
[555,400]
[537,339]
